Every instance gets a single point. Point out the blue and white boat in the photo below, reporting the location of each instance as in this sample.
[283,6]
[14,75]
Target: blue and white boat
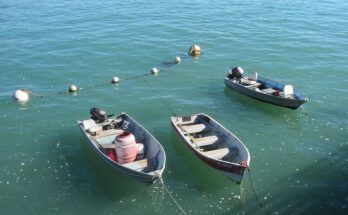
[267,90]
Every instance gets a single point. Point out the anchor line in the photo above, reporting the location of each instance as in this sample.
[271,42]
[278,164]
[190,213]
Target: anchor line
[171,196]
[255,194]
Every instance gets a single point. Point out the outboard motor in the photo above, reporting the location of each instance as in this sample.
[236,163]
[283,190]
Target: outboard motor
[98,115]
[236,73]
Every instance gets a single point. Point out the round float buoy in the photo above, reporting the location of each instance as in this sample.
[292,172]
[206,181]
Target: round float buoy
[72,89]
[177,60]
[21,95]
[154,71]
[115,80]
[195,50]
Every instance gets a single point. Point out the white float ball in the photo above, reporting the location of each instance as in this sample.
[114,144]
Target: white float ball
[21,95]
[72,88]
[154,71]
[177,60]
[115,80]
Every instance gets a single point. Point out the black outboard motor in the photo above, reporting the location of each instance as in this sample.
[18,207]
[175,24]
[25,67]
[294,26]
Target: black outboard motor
[98,115]
[236,73]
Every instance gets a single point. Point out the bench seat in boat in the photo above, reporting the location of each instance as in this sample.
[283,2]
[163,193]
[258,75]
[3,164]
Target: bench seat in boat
[217,153]
[204,141]
[136,165]
[195,128]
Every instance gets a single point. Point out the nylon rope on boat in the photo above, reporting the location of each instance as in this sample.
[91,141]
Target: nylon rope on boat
[255,194]
[171,196]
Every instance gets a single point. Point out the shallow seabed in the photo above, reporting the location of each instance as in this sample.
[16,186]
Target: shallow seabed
[299,159]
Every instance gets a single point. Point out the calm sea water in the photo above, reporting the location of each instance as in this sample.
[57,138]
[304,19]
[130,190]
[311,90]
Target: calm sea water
[299,161]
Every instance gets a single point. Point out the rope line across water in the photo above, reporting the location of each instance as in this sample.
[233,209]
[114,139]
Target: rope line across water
[171,196]
[166,66]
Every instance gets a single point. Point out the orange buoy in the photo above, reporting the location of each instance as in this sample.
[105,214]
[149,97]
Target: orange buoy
[195,50]
[126,147]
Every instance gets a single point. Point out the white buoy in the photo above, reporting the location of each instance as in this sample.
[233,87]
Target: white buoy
[154,71]
[72,89]
[21,95]
[115,80]
[177,60]
[195,50]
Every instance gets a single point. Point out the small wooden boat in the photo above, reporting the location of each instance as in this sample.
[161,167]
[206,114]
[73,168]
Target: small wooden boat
[101,131]
[213,144]
[266,90]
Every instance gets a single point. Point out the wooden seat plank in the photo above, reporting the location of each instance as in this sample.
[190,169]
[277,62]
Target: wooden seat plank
[136,165]
[203,141]
[104,133]
[194,128]
[217,153]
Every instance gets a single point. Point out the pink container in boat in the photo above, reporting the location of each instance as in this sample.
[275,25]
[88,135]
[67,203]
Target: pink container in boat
[126,147]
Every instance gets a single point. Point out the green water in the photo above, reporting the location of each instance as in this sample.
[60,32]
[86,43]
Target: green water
[298,158]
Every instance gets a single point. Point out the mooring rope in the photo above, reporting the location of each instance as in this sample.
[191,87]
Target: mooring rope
[30,92]
[171,196]
[255,194]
